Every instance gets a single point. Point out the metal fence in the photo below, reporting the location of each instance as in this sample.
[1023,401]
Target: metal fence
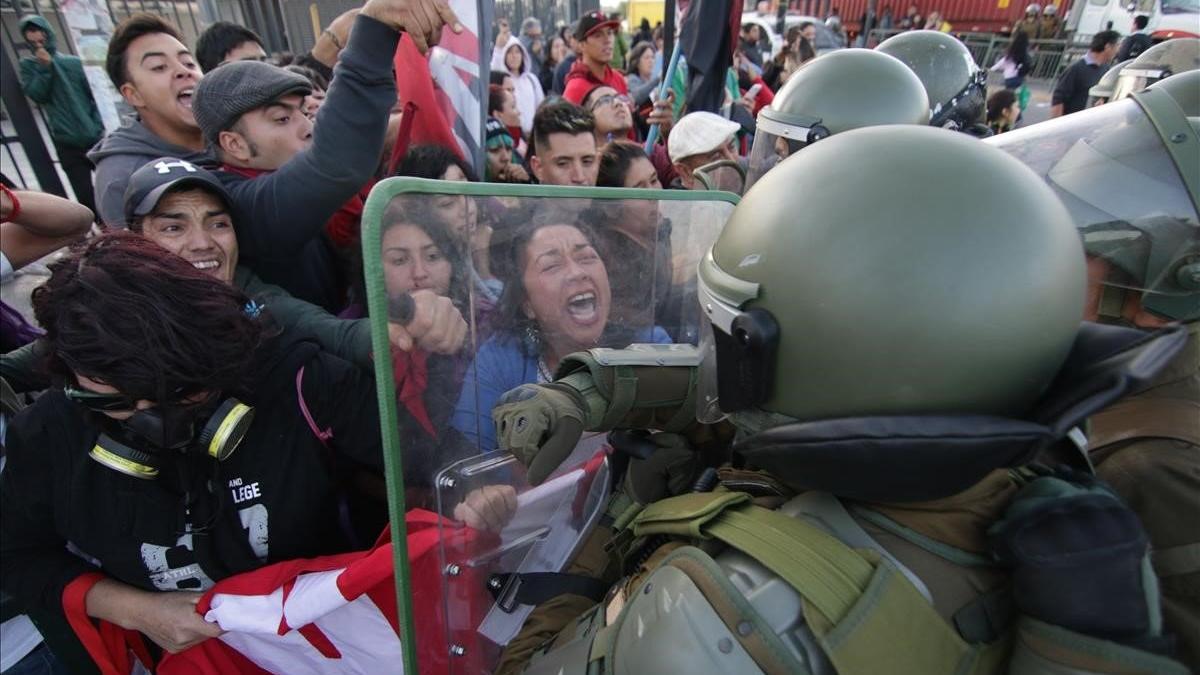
[284,26]
[1050,57]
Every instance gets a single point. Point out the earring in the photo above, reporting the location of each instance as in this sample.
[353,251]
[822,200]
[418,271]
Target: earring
[533,338]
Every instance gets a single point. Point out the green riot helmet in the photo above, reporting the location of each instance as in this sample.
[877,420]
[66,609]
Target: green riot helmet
[895,270]
[956,86]
[1102,92]
[1185,89]
[842,90]
[1163,60]
[1129,174]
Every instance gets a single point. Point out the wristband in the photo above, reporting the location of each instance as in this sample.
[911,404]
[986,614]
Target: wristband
[16,203]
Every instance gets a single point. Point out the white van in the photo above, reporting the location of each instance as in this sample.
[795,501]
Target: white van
[1168,18]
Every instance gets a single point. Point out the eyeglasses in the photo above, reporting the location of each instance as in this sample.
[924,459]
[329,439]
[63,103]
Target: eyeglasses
[94,400]
[609,99]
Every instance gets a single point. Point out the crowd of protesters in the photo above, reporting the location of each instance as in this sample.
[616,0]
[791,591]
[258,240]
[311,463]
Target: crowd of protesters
[224,284]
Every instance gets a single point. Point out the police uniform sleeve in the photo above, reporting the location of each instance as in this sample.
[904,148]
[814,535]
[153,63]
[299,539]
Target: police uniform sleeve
[35,565]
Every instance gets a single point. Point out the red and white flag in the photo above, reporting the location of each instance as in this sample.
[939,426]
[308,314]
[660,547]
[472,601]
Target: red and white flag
[330,615]
[449,85]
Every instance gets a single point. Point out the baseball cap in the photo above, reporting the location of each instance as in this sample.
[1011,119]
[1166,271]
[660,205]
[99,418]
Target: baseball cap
[698,133]
[234,89]
[591,22]
[148,184]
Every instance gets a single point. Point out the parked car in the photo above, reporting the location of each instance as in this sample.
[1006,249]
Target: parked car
[826,41]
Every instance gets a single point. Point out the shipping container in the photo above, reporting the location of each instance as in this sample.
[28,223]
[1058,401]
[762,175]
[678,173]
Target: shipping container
[965,16]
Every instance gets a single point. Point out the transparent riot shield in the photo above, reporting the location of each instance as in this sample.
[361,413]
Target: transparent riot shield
[1128,171]
[536,272]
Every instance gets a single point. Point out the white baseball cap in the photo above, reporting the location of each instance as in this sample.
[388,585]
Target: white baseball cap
[699,133]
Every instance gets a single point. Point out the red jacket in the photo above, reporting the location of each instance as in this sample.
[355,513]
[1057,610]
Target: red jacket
[580,81]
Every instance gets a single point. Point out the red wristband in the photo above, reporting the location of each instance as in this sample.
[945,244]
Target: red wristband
[16,209]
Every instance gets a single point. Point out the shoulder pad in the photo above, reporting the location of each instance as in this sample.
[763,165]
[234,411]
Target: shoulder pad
[649,355]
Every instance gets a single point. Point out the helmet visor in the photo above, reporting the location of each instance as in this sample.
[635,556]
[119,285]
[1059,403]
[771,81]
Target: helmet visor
[775,141]
[1111,169]
[1133,80]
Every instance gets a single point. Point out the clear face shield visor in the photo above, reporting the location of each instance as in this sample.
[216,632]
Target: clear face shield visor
[775,141]
[1133,80]
[1115,174]
[724,174]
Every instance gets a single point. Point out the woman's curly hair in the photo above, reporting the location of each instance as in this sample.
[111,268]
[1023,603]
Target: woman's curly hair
[122,310]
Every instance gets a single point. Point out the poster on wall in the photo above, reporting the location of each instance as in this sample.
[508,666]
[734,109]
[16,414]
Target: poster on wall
[91,27]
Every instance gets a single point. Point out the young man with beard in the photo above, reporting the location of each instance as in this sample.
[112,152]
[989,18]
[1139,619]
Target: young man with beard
[595,34]
[157,75]
[286,183]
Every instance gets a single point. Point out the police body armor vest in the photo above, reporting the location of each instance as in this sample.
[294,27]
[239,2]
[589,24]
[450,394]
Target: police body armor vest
[805,589]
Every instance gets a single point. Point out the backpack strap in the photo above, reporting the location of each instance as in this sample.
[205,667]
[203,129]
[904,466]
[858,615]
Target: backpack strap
[829,574]
[828,512]
[857,603]
[323,436]
[1177,419]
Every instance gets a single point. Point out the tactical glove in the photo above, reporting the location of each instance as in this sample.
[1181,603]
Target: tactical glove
[540,424]
[1081,560]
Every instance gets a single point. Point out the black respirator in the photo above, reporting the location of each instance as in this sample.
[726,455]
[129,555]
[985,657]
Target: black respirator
[141,442]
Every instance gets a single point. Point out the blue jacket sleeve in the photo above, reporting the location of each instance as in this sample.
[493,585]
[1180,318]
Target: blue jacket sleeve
[287,209]
[498,367]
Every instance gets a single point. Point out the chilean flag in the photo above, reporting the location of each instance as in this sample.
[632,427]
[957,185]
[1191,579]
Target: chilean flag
[445,91]
[330,615]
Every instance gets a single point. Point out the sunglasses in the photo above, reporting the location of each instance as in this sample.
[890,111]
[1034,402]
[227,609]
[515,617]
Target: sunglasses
[114,402]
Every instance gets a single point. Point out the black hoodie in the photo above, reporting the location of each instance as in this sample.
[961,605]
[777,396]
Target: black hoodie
[273,499]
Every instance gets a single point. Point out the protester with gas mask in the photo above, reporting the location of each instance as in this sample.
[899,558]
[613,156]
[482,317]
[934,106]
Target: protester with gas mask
[184,442]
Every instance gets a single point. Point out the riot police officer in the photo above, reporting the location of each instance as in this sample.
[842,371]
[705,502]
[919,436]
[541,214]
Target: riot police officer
[1161,61]
[883,360]
[842,90]
[956,86]
[1129,173]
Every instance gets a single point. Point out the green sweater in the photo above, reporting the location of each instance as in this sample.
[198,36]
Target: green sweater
[61,88]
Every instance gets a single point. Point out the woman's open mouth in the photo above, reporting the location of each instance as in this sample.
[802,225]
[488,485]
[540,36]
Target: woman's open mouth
[582,307]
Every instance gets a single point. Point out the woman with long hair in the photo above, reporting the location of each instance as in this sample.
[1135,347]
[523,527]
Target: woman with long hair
[557,300]
[1015,63]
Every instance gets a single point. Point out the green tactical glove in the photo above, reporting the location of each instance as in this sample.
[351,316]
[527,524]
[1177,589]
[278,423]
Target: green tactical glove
[540,424]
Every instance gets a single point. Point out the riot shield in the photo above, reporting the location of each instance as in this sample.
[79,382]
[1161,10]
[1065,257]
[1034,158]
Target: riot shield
[536,272]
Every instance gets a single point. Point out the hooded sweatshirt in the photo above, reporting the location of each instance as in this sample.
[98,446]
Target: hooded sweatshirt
[580,80]
[528,87]
[62,89]
[120,154]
